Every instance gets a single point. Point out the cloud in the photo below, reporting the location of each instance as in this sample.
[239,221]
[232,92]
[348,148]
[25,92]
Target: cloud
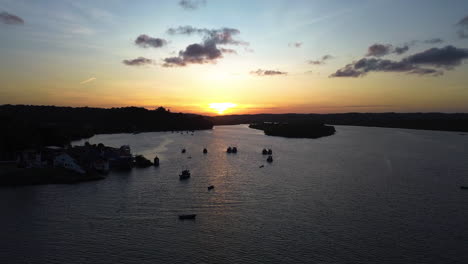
[463,27]
[207,51]
[191,4]
[321,60]
[261,72]
[218,36]
[401,50]
[434,41]
[88,80]
[447,58]
[10,19]
[380,50]
[295,44]
[365,65]
[140,61]
[146,41]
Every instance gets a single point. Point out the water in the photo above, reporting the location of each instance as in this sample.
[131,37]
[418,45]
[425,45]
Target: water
[364,195]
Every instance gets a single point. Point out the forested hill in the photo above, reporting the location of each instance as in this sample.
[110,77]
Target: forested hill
[25,126]
[425,121]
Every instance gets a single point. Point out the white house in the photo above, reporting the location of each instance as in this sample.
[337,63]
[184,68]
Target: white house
[66,161]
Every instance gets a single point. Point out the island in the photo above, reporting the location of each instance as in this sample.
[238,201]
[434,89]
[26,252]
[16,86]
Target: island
[295,130]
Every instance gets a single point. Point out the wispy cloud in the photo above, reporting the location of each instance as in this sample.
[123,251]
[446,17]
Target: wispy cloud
[88,80]
[140,61]
[463,27]
[321,60]
[192,4]
[295,44]
[261,72]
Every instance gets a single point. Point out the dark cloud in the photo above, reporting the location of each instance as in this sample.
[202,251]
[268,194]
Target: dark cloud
[448,58]
[261,72]
[434,41]
[380,50]
[146,41]
[321,60]
[401,50]
[192,4]
[10,19]
[138,61]
[207,51]
[295,44]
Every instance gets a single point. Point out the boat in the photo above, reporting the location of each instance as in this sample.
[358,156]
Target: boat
[270,159]
[234,150]
[229,150]
[187,216]
[270,152]
[185,175]
[264,152]
[183,150]
[211,187]
[156,161]
[205,151]
[261,166]
[464,187]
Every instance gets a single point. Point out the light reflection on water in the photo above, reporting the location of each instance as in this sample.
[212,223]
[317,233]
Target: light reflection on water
[364,195]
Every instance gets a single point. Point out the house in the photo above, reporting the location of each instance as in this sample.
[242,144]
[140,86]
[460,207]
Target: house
[66,161]
[31,158]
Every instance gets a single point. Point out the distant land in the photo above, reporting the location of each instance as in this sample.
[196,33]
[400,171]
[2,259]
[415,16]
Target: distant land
[422,121]
[28,126]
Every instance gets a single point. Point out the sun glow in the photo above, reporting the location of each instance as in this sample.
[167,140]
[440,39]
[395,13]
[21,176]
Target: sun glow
[221,107]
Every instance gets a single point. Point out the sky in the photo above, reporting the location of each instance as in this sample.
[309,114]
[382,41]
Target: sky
[237,57]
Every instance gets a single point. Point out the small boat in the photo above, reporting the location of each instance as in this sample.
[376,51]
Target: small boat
[270,152]
[156,161]
[185,175]
[187,216]
[464,187]
[229,150]
[211,187]
[234,150]
[264,152]
[183,150]
[261,166]
[270,159]
[205,151]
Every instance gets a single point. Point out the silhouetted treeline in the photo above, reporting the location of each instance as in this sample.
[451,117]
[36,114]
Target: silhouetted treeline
[295,130]
[425,121]
[26,126]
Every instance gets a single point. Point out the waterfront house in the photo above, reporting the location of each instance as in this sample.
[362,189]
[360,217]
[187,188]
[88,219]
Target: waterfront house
[66,161]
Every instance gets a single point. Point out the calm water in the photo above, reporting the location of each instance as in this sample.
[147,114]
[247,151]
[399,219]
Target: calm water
[364,195]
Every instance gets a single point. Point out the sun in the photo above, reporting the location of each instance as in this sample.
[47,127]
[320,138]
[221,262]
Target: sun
[221,107]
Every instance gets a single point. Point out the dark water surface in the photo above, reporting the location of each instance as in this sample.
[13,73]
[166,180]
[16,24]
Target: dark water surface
[364,195]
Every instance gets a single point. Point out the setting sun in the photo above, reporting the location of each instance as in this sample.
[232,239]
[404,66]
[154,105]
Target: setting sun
[221,107]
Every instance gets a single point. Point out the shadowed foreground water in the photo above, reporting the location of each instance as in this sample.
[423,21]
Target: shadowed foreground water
[364,195]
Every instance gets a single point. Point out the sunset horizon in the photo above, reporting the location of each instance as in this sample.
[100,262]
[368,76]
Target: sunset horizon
[306,57]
